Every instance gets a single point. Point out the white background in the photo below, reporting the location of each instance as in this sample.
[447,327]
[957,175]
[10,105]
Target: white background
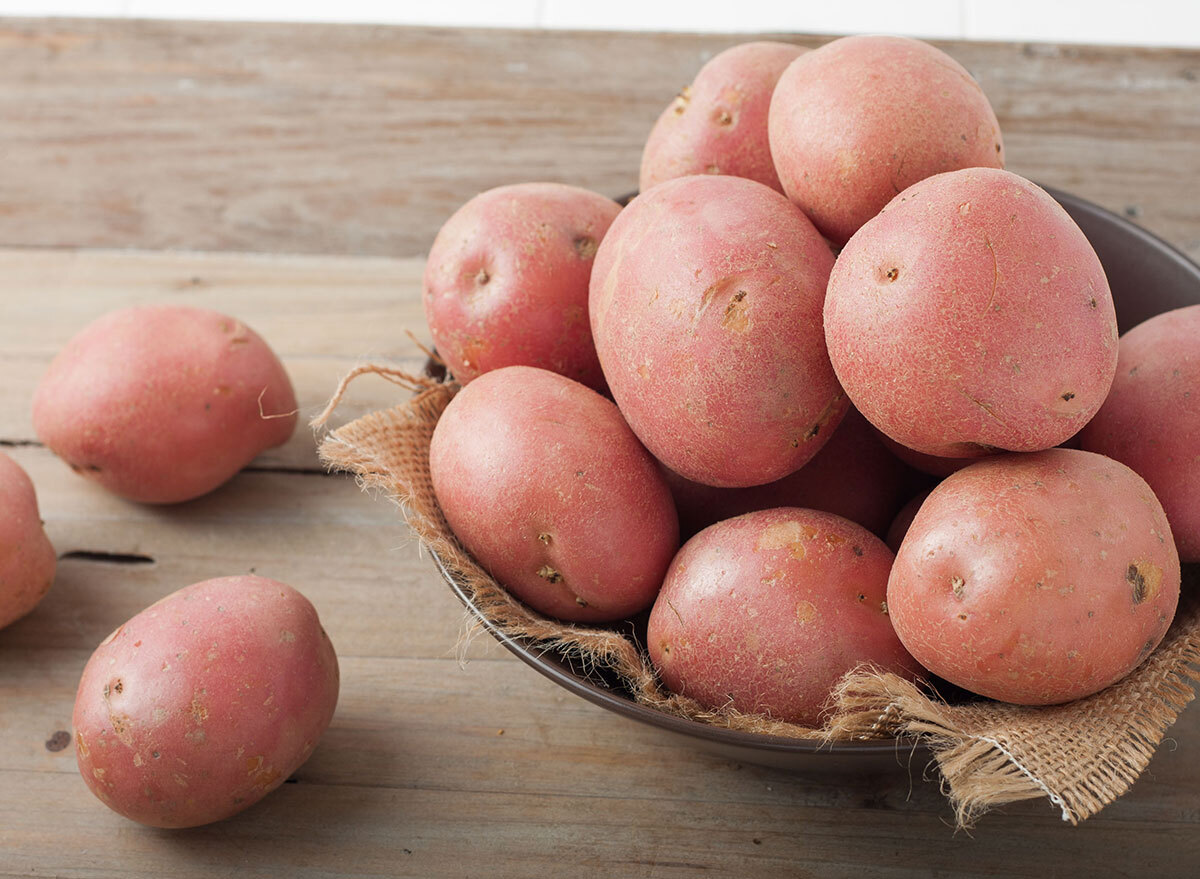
[1151,22]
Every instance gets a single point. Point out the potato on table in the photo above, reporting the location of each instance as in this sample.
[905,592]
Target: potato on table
[205,702]
[972,315]
[765,613]
[506,282]
[543,482]
[862,118]
[27,559]
[718,124]
[706,310]
[1036,579]
[1151,418]
[164,403]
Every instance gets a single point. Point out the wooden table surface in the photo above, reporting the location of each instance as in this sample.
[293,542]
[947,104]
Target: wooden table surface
[293,175]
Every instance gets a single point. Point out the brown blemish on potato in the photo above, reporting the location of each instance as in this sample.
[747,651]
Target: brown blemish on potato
[805,612]
[180,779]
[995,273]
[199,711]
[984,406]
[858,550]
[736,319]
[958,586]
[892,274]
[787,535]
[585,247]
[722,117]
[550,575]
[482,277]
[286,637]
[1068,396]
[1146,580]
[196,736]
[680,103]
[544,537]
[81,745]
[581,602]
[712,169]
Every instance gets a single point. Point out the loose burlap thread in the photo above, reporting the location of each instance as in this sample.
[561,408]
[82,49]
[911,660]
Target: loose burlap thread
[1081,756]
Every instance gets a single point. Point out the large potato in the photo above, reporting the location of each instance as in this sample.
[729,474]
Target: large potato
[1036,579]
[506,282]
[27,560]
[972,315]
[765,612]
[718,124]
[1151,418]
[544,484]
[204,702]
[163,403]
[862,118]
[706,311]
[853,476]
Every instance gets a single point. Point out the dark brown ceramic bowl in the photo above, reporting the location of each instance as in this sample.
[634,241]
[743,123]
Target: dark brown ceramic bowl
[1147,277]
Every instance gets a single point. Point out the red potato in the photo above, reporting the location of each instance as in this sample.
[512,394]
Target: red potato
[163,403]
[542,481]
[858,120]
[767,611]
[706,310]
[27,559]
[205,702]
[903,521]
[506,282]
[972,315]
[853,476]
[1036,579]
[718,124]
[1150,420]
[933,465]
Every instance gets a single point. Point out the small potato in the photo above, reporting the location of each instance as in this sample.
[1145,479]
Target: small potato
[545,485]
[506,282]
[971,316]
[1151,418]
[706,310]
[718,124]
[856,121]
[163,403]
[853,476]
[27,560]
[205,702]
[1036,579]
[767,611]
[903,521]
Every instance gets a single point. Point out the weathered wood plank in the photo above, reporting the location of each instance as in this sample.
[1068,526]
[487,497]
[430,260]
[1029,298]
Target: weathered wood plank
[363,140]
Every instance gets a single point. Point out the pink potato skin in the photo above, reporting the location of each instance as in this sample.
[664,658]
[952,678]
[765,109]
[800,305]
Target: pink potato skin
[205,702]
[768,610]
[853,476]
[544,484]
[718,124]
[1150,420]
[27,559]
[163,403]
[506,283]
[856,121]
[1036,579]
[971,316]
[706,311]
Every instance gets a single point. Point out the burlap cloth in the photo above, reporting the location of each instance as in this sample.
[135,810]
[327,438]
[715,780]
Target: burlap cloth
[1081,756]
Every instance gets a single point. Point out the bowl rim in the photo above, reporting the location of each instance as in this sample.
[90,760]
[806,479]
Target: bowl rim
[763,742]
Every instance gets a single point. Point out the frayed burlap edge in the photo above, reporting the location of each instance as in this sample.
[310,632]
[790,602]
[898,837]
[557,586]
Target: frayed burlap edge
[1080,756]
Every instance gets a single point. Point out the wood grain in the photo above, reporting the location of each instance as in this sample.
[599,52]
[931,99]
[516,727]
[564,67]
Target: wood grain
[350,145]
[363,140]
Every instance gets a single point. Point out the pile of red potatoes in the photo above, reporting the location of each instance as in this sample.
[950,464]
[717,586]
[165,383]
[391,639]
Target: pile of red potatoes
[827,283]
